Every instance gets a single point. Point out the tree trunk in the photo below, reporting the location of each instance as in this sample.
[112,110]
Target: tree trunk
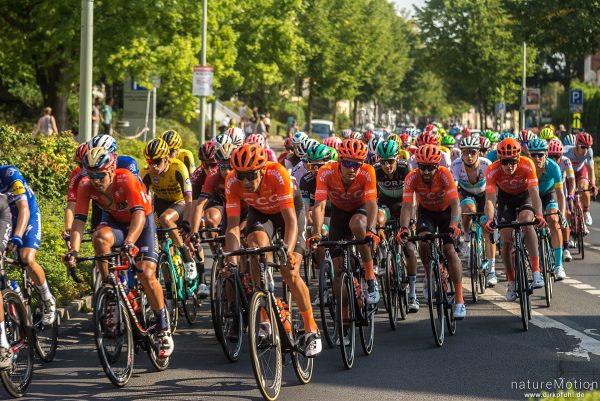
[355,113]
[334,114]
[50,80]
[309,106]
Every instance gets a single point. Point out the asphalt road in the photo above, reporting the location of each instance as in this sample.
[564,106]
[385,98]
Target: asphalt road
[489,358]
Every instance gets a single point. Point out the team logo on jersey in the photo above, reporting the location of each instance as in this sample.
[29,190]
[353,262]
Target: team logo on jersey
[155,180]
[188,182]
[122,205]
[11,171]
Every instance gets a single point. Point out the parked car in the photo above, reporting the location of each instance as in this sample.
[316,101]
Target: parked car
[322,128]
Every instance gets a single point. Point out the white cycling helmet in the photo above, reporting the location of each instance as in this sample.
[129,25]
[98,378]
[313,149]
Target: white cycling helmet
[298,138]
[303,147]
[237,136]
[346,133]
[105,141]
[373,143]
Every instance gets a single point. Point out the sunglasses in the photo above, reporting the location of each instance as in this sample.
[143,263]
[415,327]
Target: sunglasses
[154,161]
[209,165]
[537,155]
[554,157]
[97,176]
[225,166]
[509,162]
[247,175]
[314,166]
[387,162]
[470,152]
[428,167]
[584,147]
[351,165]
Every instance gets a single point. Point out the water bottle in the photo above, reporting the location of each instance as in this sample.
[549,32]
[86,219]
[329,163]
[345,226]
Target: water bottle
[15,286]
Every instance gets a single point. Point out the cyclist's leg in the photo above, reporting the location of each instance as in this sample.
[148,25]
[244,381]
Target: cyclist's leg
[340,229]
[467,205]
[454,263]
[583,183]
[171,214]
[425,225]
[507,213]
[550,206]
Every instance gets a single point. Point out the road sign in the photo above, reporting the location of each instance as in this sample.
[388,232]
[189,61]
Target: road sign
[500,108]
[576,121]
[576,100]
[203,80]
[533,98]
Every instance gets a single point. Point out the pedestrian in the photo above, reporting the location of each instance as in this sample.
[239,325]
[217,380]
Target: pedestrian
[267,121]
[96,117]
[260,126]
[107,116]
[46,124]
[293,128]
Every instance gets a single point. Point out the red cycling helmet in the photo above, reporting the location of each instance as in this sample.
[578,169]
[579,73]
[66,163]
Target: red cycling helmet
[80,152]
[367,136]
[404,137]
[427,138]
[465,132]
[584,139]
[509,148]
[249,157]
[206,153]
[287,144]
[428,154]
[353,149]
[258,139]
[332,141]
[555,148]
[430,128]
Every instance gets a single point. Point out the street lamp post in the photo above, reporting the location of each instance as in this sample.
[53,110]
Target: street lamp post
[203,63]
[524,87]
[85,73]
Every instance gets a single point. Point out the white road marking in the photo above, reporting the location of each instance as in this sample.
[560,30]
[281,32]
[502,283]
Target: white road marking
[583,286]
[571,281]
[593,292]
[587,345]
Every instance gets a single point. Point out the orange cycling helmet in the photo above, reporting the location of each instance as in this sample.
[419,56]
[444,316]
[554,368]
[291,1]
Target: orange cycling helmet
[509,148]
[353,149]
[428,154]
[249,157]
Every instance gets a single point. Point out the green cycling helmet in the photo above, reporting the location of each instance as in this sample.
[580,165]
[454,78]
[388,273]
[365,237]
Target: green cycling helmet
[547,133]
[334,154]
[448,140]
[537,145]
[492,136]
[319,153]
[387,149]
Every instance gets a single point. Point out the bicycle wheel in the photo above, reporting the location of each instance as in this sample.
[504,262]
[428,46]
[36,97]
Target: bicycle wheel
[346,327]
[474,268]
[265,346]
[435,303]
[213,294]
[16,378]
[482,256]
[545,268]
[228,315]
[327,303]
[190,303]
[449,304]
[114,340]
[166,277]
[579,230]
[303,366]
[552,264]
[45,336]
[392,287]
[399,266]
[307,265]
[148,321]
[522,288]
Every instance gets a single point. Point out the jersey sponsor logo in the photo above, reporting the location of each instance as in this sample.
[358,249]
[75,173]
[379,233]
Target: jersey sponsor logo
[347,195]
[11,171]
[188,182]
[264,201]
[277,176]
[392,184]
[122,205]
[18,188]
[325,174]
[155,180]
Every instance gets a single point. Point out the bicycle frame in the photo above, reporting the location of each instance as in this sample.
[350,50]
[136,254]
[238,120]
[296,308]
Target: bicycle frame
[167,243]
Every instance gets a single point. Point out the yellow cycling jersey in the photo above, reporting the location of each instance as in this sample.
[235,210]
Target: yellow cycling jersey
[172,184]
[188,159]
[403,154]
[444,149]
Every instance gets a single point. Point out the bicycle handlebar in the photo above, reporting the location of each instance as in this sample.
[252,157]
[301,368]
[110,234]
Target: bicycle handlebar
[279,246]
[220,239]
[343,243]
[428,237]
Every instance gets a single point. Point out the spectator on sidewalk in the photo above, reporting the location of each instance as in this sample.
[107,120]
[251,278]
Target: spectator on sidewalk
[261,128]
[267,121]
[46,124]
[107,116]
[96,117]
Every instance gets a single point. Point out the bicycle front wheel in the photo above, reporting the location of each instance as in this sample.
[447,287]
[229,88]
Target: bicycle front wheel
[327,303]
[228,315]
[303,366]
[168,281]
[17,377]
[474,268]
[45,336]
[545,268]
[265,346]
[190,303]
[435,302]
[522,285]
[392,288]
[346,325]
[114,340]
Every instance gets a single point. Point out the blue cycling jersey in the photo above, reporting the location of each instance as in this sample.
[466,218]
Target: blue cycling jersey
[129,163]
[492,155]
[14,185]
[551,178]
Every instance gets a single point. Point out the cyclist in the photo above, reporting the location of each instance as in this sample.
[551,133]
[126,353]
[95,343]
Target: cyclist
[260,140]
[390,174]
[582,157]
[372,155]
[237,136]
[267,189]
[173,139]
[127,222]
[26,236]
[299,169]
[512,182]
[6,354]
[287,144]
[350,185]
[170,183]
[438,210]
[469,172]
[552,196]
[317,156]
[484,146]
[430,138]
[295,157]
[555,152]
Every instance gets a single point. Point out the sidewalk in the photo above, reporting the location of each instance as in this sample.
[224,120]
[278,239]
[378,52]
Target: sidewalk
[276,143]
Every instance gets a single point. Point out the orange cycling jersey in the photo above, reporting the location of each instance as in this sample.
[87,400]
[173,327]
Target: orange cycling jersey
[435,196]
[522,179]
[362,189]
[128,195]
[275,193]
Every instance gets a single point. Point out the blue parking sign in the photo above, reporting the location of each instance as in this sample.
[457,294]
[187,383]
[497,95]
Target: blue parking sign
[575,97]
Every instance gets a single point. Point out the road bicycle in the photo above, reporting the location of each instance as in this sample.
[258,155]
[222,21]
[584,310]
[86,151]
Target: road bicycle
[123,321]
[352,309]
[327,301]
[477,255]
[578,227]
[440,289]
[547,259]
[19,333]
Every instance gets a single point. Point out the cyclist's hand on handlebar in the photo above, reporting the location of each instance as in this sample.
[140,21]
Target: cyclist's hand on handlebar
[291,260]
[193,241]
[402,235]
[312,240]
[373,235]
[130,249]
[540,222]
[594,190]
[69,259]
[489,226]
[185,227]
[454,231]
[66,235]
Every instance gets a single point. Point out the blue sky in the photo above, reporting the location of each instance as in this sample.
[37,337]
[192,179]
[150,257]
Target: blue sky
[409,3]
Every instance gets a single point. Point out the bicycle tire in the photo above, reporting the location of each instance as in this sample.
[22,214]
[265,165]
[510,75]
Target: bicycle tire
[521,288]
[269,387]
[149,320]
[450,321]
[19,334]
[580,231]
[106,325]
[307,267]
[190,303]
[303,366]
[327,303]
[225,318]
[165,270]
[345,289]
[474,268]
[552,261]
[213,293]
[367,331]
[435,303]
[545,268]
[392,287]
[399,265]
[482,256]
[45,336]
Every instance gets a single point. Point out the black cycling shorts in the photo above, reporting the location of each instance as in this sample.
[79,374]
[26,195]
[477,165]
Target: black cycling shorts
[432,222]
[508,205]
[393,206]
[161,205]
[478,199]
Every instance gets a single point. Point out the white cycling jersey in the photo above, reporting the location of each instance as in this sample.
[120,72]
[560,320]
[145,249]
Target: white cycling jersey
[462,178]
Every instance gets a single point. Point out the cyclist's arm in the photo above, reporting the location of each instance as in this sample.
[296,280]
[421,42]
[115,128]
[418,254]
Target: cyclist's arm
[534,193]
[591,173]
[372,209]
[318,215]
[232,236]
[291,228]
[197,213]
[76,234]
[69,215]
[138,219]
[188,210]
[490,202]
[23,217]
[560,198]
[406,213]
[455,212]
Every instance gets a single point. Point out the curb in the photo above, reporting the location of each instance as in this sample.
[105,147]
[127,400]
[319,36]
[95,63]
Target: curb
[73,308]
